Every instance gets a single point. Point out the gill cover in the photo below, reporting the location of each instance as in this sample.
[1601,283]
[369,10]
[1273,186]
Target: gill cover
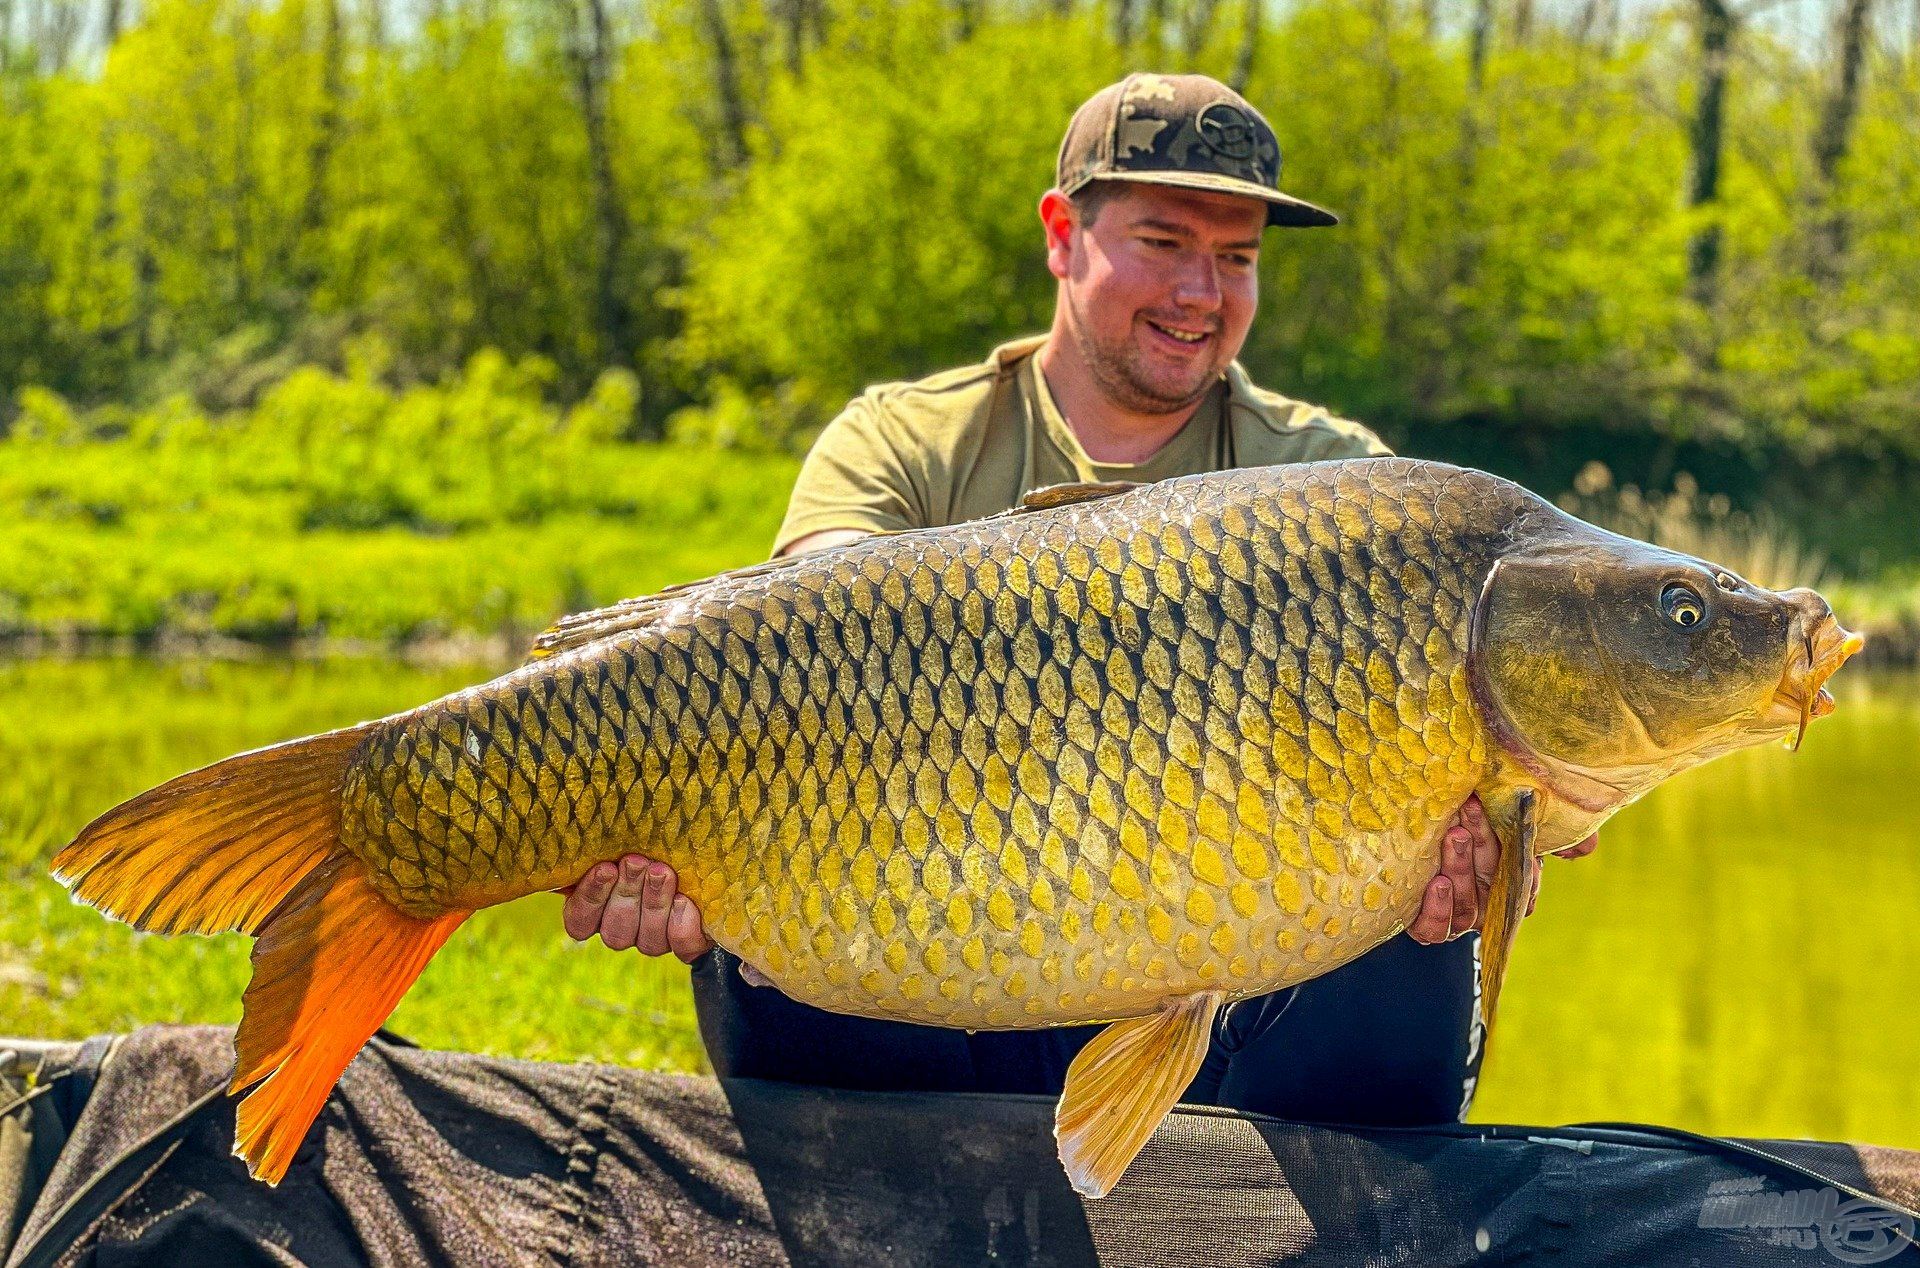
[1599,651]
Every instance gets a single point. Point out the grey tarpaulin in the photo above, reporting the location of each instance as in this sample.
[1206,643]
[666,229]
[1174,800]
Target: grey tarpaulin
[446,1158]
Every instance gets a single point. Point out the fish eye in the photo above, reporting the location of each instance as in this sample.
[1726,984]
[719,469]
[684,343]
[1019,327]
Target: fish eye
[1682,606]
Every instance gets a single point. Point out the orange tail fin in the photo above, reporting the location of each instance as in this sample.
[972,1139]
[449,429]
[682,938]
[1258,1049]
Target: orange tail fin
[329,967]
[253,844]
[217,848]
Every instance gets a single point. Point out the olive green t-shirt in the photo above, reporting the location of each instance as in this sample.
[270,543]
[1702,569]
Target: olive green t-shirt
[974,441]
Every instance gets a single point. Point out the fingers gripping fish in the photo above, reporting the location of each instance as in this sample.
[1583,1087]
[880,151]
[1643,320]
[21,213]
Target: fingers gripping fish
[1121,755]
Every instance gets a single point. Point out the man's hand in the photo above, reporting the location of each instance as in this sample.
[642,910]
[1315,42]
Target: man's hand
[1456,899]
[634,905]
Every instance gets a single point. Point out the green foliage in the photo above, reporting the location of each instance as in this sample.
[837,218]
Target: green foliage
[899,237]
[344,508]
[796,203]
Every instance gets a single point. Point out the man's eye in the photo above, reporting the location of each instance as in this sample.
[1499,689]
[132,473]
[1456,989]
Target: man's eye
[1238,260]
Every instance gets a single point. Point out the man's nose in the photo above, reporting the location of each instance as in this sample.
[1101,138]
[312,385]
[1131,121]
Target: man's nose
[1198,285]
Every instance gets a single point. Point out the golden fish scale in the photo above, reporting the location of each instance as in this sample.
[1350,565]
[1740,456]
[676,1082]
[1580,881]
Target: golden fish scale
[1042,768]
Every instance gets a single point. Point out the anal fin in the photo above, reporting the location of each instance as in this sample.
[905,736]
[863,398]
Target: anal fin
[1123,1083]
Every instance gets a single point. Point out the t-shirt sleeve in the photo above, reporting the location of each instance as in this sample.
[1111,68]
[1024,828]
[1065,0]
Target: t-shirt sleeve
[1330,438]
[1295,431]
[855,476]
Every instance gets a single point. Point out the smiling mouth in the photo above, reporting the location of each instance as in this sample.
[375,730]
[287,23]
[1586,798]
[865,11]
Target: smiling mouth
[1191,338]
[1803,687]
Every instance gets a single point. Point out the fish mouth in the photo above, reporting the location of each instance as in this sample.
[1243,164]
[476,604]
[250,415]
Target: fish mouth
[1825,646]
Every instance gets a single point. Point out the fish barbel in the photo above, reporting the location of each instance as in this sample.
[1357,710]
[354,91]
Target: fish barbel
[1122,754]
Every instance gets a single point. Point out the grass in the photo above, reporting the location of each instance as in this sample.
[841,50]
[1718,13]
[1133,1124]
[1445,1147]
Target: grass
[342,510]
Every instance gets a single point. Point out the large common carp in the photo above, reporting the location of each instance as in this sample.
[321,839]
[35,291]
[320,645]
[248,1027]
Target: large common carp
[1122,754]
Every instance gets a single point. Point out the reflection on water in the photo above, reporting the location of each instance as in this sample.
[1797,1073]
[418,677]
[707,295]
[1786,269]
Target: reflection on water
[1739,957]
[1741,954]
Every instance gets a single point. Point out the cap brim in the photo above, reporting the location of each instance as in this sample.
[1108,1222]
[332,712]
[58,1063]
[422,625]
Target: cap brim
[1283,210]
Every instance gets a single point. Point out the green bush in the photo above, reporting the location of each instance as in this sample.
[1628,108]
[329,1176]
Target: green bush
[343,508]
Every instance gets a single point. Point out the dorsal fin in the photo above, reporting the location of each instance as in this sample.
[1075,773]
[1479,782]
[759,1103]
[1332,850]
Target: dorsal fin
[1071,494]
[571,632]
[581,628]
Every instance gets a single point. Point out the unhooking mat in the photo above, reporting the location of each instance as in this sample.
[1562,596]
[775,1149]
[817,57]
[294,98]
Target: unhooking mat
[118,1155]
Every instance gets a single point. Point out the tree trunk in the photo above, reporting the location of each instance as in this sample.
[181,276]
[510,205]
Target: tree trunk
[326,137]
[1468,240]
[1123,17]
[1522,23]
[146,286]
[1252,20]
[1707,141]
[726,82]
[1586,23]
[242,188]
[1479,35]
[106,219]
[1198,27]
[1835,134]
[590,49]
[794,13]
[59,34]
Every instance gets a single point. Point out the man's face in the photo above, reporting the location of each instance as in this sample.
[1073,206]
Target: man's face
[1159,290]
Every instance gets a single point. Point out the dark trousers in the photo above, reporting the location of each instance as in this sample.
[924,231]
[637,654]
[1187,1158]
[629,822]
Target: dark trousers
[1390,1039]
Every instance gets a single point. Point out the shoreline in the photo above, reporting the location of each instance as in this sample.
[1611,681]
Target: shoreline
[499,651]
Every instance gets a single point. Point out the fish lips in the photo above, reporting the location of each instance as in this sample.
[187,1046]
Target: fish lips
[1824,646]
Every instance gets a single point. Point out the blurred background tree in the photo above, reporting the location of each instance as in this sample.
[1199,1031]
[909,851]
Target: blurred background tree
[1673,236]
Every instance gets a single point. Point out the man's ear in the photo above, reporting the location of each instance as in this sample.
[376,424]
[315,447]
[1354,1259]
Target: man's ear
[1058,217]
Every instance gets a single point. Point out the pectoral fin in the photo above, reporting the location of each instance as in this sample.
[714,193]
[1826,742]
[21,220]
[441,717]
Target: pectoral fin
[1123,1083]
[1513,823]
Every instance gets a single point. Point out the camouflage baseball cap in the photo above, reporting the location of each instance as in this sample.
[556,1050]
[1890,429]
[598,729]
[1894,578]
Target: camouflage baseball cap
[1184,130]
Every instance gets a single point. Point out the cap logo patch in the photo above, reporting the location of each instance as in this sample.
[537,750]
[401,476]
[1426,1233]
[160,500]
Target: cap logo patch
[1228,131]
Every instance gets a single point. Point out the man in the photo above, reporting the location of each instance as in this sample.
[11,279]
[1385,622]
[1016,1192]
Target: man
[1164,187]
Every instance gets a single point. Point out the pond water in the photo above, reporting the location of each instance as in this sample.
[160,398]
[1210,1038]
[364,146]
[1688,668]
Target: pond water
[1740,956]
